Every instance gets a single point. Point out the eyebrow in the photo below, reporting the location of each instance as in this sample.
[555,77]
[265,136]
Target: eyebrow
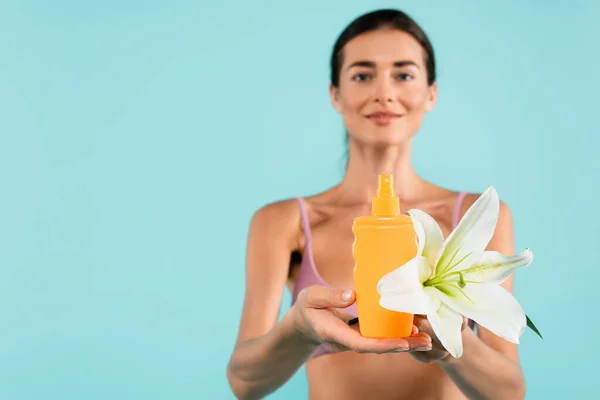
[371,64]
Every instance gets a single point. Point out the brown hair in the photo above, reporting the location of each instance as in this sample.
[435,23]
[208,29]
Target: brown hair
[379,19]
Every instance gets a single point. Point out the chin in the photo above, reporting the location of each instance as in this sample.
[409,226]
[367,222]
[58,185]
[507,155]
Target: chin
[385,138]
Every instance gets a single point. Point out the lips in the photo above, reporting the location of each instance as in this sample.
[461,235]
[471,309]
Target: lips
[383,114]
[383,118]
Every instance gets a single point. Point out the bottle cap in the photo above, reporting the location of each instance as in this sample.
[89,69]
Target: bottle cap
[385,202]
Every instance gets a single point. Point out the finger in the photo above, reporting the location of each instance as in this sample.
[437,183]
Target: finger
[419,338]
[421,334]
[322,297]
[410,344]
[418,342]
[353,323]
[423,324]
[465,323]
[350,338]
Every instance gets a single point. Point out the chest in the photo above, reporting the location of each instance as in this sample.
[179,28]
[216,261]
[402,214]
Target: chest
[330,247]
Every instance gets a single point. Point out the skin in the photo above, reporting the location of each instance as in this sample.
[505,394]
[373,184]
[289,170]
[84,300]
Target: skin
[268,352]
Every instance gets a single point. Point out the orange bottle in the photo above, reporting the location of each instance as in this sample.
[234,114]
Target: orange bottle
[383,242]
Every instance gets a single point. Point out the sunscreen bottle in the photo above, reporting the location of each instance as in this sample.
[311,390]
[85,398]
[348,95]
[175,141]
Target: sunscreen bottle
[383,241]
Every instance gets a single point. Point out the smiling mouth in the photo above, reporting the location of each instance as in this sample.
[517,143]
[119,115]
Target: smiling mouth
[383,118]
[382,114]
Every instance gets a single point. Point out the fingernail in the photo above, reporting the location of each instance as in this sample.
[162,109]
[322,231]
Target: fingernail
[423,348]
[400,350]
[347,295]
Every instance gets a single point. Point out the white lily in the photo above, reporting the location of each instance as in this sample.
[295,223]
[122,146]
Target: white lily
[454,277]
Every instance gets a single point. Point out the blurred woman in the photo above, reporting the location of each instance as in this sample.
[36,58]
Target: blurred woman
[383,82]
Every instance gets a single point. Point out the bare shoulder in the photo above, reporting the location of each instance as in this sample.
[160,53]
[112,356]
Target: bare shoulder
[279,220]
[281,211]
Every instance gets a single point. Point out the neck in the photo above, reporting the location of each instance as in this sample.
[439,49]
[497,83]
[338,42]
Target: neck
[359,184]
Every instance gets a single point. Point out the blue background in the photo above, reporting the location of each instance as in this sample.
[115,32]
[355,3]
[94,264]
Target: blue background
[137,138]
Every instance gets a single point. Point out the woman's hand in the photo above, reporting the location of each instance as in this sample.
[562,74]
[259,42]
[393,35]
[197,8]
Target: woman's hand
[317,316]
[438,352]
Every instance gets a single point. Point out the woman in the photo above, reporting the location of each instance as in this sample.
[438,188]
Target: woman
[382,84]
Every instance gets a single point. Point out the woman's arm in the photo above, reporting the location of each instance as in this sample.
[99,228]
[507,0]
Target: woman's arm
[266,354]
[489,367]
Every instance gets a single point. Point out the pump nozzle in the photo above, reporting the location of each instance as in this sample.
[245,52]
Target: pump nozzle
[385,203]
[385,186]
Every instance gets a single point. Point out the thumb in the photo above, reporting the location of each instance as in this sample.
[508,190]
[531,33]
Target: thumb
[323,297]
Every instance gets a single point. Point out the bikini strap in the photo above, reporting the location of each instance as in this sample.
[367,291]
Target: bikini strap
[304,219]
[457,209]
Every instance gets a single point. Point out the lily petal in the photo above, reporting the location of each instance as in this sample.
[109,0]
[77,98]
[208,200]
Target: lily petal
[446,324]
[404,278]
[468,240]
[494,267]
[401,290]
[492,307]
[429,234]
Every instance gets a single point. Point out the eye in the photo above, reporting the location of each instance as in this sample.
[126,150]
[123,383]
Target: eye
[361,77]
[404,77]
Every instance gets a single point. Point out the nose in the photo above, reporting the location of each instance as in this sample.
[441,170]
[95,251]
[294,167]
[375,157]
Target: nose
[384,91]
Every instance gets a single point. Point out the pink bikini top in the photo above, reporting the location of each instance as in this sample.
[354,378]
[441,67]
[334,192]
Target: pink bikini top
[309,275]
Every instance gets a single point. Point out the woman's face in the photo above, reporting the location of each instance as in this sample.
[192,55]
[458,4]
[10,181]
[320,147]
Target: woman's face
[383,92]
